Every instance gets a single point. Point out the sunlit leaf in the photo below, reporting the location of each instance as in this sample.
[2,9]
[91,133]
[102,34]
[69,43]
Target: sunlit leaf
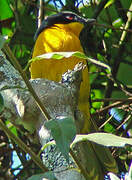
[108,33]
[7,32]
[113,176]
[104,139]
[110,2]
[5,10]
[11,127]
[61,55]
[97,95]
[117,23]
[109,128]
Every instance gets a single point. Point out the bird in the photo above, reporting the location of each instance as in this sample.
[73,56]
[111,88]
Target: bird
[60,33]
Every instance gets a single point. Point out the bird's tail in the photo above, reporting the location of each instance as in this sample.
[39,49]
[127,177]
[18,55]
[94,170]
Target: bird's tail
[97,159]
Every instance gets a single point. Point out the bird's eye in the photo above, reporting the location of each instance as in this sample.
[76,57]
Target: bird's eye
[69,17]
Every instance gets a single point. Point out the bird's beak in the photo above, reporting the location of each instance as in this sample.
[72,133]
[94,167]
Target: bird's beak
[90,21]
[86,21]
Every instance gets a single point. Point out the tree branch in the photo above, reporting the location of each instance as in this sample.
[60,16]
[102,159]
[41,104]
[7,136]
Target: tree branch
[14,61]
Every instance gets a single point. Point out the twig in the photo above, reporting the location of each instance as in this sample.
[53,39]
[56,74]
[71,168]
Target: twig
[40,13]
[120,85]
[124,121]
[129,15]
[116,104]
[112,27]
[102,125]
[34,157]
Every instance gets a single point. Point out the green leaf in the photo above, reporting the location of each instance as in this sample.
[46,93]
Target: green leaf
[117,23]
[126,4]
[57,55]
[108,33]
[11,127]
[101,57]
[1,103]
[63,131]
[105,139]
[124,77]
[109,128]
[110,2]
[61,55]
[5,10]
[7,32]
[93,77]
[86,10]
[49,175]
[98,95]
[113,176]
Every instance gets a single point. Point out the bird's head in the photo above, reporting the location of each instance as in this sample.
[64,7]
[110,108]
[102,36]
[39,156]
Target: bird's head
[64,17]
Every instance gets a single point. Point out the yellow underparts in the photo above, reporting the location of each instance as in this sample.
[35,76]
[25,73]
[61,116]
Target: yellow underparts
[62,38]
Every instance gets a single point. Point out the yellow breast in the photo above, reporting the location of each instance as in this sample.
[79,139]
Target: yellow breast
[60,38]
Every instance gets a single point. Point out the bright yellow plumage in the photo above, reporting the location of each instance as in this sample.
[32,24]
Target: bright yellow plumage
[61,38]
